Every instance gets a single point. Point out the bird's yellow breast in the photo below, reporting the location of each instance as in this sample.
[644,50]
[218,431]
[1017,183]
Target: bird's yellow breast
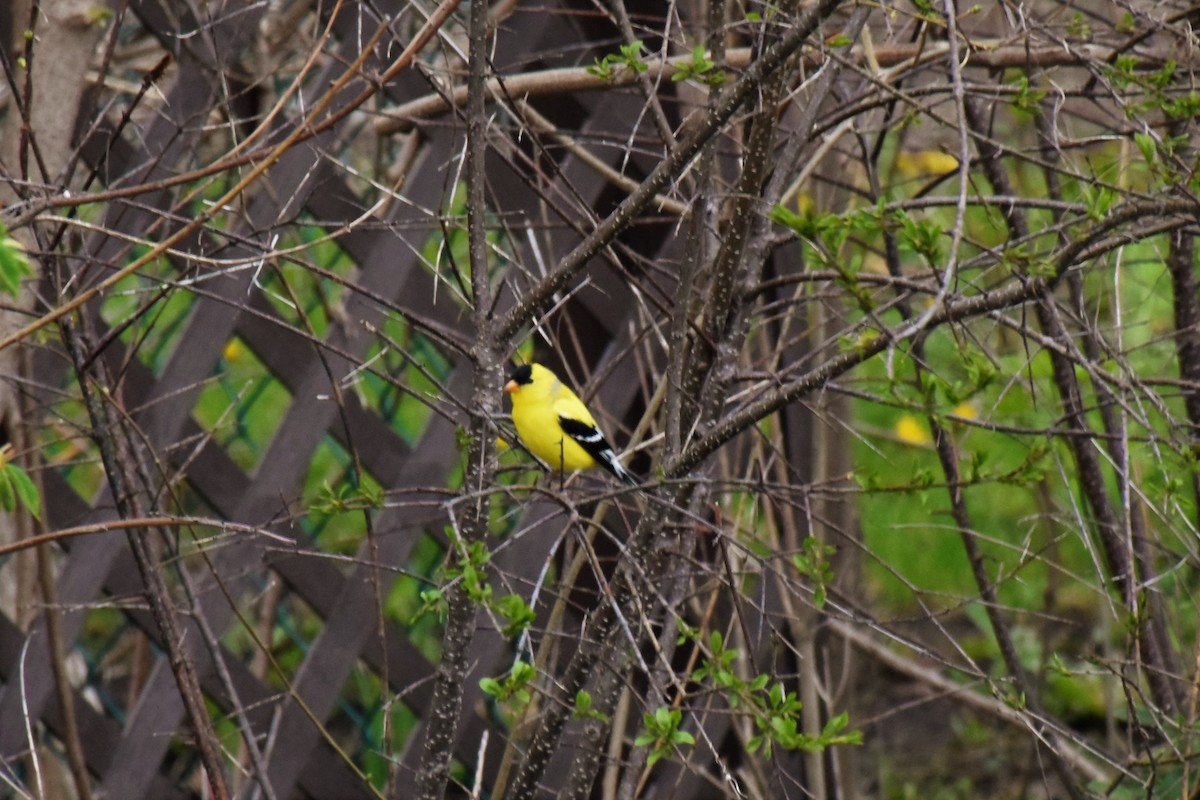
[538,426]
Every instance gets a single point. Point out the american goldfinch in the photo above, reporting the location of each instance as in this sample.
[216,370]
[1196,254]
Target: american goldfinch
[556,426]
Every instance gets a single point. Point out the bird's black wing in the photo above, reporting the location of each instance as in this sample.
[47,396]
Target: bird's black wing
[592,440]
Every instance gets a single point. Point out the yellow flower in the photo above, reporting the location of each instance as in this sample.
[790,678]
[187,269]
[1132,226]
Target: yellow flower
[910,431]
[233,350]
[925,162]
[966,410]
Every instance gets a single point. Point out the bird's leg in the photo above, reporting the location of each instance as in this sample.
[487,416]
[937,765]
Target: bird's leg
[562,463]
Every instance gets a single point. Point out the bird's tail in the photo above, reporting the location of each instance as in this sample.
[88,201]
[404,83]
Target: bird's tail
[624,474]
[608,459]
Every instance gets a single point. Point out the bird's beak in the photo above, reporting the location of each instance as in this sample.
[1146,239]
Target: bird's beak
[512,387]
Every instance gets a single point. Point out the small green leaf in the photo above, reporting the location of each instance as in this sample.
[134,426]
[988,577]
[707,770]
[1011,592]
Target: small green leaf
[27,492]
[518,615]
[14,265]
[8,496]
[1148,146]
[835,725]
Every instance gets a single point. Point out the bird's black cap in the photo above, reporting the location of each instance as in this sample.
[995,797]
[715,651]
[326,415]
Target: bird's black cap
[522,375]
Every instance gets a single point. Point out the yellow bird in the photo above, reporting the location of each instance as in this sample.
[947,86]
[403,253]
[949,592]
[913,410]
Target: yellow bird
[556,426]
